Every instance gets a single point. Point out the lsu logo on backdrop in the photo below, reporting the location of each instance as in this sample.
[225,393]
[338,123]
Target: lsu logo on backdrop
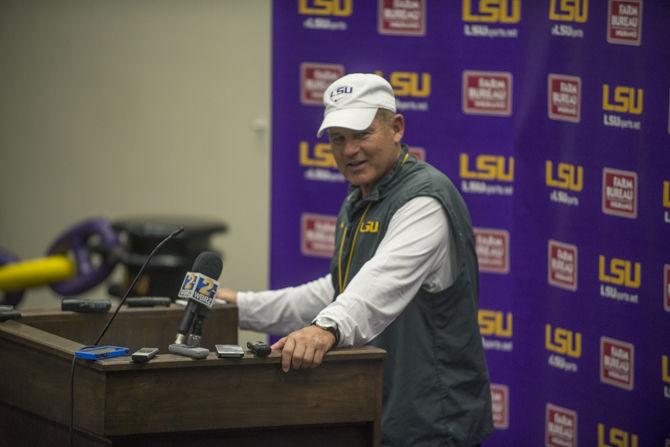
[569,10]
[337,8]
[666,201]
[492,246]
[492,11]
[617,363]
[410,88]
[500,405]
[619,195]
[563,343]
[487,93]
[566,178]
[620,272]
[402,18]
[561,427]
[564,97]
[624,22]
[315,79]
[666,287]
[615,437]
[320,162]
[498,324]
[665,375]
[487,167]
[623,99]
[317,235]
[562,265]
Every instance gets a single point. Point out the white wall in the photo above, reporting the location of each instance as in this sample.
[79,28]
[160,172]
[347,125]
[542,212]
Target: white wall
[134,107]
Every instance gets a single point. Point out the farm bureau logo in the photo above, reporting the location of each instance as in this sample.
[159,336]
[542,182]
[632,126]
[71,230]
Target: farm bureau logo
[619,272]
[619,193]
[315,79]
[479,13]
[411,89]
[324,9]
[317,235]
[500,405]
[402,17]
[617,363]
[492,246]
[487,93]
[561,427]
[626,100]
[565,178]
[575,11]
[564,97]
[487,171]
[562,265]
[320,163]
[563,343]
[624,22]
[493,323]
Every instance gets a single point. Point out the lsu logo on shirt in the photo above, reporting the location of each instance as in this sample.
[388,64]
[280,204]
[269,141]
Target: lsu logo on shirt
[492,11]
[337,8]
[615,437]
[487,167]
[620,272]
[563,341]
[564,176]
[623,99]
[318,156]
[561,427]
[495,323]
[569,10]
[371,226]
[409,83]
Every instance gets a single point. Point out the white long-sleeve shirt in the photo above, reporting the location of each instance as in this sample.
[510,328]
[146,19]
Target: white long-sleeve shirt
[416,252]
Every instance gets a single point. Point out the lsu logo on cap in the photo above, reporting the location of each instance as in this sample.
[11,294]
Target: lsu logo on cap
[617,363]
[487,93]
[619,195]
[561,427]
[623,99]
[406,18]
[500,405]
[624,22]
[569,10]
[492,11]
[492,246]
[615,437]
[620,272]
[564,97]
[487,167]
[317,235]
[337,8]
[315,79]
[562,265]
[564,176]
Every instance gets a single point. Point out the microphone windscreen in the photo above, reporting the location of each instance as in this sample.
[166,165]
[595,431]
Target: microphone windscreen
[208,263]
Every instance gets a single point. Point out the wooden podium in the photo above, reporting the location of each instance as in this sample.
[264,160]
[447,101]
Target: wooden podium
[174,400]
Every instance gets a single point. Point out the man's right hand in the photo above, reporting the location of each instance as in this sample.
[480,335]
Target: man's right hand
[228,295]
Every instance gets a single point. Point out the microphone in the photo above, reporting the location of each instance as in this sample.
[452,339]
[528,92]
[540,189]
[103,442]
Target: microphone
[200,287]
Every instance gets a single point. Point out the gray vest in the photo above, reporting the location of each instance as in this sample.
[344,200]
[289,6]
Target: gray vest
[436,383]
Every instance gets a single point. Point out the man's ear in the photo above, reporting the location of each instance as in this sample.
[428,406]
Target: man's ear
[398,126]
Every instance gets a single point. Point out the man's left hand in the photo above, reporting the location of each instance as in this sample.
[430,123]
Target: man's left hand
[304,348]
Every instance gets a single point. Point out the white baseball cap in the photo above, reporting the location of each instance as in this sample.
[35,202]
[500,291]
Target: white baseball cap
[352,101]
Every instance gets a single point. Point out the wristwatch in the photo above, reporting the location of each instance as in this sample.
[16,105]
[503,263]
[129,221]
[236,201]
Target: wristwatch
[329,325]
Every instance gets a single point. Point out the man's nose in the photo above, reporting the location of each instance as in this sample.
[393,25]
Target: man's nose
[351,147]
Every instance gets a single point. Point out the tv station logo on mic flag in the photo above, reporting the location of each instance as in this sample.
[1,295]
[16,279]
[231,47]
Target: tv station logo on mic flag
[561,427]
[402,18]
[624,22]
[315,79]
[500,405]
[200,288]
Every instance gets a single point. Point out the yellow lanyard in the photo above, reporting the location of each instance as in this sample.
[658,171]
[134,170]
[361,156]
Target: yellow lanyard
[343,282]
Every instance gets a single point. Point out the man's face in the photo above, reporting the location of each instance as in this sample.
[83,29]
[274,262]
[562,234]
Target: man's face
[364,156]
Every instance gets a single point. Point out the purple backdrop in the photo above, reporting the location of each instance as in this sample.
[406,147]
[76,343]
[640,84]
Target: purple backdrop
[552,117]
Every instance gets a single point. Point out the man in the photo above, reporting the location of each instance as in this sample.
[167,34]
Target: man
[404,278]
